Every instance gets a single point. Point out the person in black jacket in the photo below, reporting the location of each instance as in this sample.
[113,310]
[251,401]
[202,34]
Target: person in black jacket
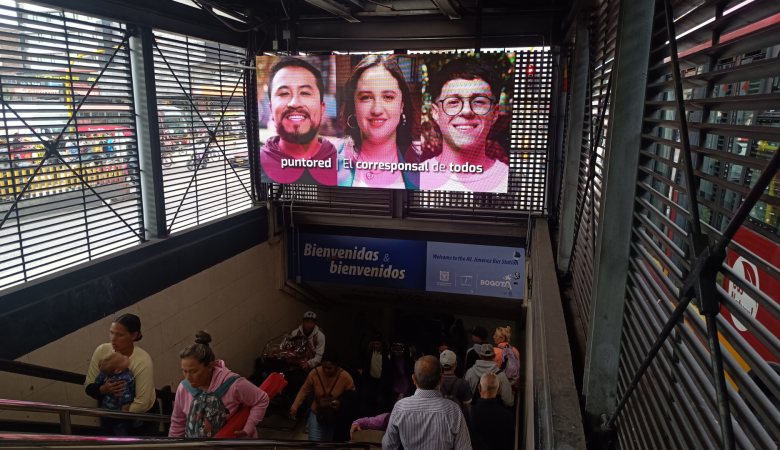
[374,374]
[492,425]
[479,336]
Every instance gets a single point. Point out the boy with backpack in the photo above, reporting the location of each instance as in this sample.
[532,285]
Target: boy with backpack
[452,387]
[487,364]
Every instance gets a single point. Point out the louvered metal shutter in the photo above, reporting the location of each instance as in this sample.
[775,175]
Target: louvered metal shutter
[603,33]
[65,79]
[200,104]
[732,97]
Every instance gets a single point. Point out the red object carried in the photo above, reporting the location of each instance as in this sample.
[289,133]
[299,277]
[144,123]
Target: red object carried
[271,386]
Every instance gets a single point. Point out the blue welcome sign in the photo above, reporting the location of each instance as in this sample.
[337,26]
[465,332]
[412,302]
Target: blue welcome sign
[415,265]
[364,261]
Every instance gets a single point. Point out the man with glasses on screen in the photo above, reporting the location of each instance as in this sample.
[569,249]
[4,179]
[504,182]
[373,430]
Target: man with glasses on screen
[465,95]
[297,155]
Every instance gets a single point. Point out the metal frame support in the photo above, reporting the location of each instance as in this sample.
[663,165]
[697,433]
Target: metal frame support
[478,28]
[617,205]
[65,425]
[571,171]
[147,127]
[555,152]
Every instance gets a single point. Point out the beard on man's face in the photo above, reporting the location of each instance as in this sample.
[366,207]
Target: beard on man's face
[297,135]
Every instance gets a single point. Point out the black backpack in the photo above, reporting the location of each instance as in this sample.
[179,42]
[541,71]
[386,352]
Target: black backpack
[453,392]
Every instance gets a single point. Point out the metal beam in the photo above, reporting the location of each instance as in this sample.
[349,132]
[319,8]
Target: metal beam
[571,171]
[148,130]
[448,8]
[517,230]
[427,32]
[617,205]
[165,15]
[334,7]
[569,23]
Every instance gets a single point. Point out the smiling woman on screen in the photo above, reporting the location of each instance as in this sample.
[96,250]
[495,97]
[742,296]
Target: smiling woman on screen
[377,115]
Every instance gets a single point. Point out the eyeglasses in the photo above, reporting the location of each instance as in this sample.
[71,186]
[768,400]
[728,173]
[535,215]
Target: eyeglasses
[480,105]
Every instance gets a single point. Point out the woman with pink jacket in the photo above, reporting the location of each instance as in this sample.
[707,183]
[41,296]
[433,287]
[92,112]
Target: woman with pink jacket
[211,394]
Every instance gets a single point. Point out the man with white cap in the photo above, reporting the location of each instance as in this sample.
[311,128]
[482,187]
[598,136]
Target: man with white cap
[452,387]
[486,364]
[315,338]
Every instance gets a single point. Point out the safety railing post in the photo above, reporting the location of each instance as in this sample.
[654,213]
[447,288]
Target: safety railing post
[65,426]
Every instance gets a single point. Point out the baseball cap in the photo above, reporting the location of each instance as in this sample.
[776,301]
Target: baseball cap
[447,359]
[486,350]
[309,315]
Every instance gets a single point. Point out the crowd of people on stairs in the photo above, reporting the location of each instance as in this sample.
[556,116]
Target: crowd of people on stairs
[449,400]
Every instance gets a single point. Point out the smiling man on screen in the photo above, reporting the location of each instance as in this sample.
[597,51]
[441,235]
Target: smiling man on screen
[465,97]
[297,155]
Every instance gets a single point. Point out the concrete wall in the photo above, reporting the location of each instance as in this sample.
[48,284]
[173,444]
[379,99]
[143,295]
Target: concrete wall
[237,301]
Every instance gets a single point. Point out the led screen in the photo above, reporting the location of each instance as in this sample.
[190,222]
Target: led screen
[432,122]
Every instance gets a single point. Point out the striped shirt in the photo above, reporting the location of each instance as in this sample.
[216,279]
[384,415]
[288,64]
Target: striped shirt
[427,421]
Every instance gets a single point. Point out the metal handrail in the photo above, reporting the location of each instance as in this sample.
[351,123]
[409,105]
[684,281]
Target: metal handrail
[48,441]
[48,373]
[65,413]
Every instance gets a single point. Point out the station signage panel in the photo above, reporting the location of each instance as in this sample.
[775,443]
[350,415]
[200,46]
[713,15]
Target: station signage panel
[475,269]
[406,264]
[436,122]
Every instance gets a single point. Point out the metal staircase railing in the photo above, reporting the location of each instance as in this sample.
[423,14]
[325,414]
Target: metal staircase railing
[65,413]
[21,441]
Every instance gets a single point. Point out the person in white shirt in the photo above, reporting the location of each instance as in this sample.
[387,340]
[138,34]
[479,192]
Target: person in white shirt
[465,97]
[315,338]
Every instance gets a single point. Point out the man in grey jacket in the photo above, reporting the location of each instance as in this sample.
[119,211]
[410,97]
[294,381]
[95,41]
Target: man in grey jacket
[314,336]
[487,365]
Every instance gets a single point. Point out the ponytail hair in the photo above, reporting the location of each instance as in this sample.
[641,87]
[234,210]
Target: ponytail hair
[132,323]
[200,350]
[505,332]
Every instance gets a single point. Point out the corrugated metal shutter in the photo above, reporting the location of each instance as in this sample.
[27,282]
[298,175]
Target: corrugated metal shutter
[732,98]
[65,78]
[603,34]
[200,91]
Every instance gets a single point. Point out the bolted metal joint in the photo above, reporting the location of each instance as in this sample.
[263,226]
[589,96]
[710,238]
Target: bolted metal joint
[701,282]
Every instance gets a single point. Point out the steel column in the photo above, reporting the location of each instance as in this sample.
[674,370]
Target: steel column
[579,87]
[555,142]
[478,28]
[617,204]
[147,127]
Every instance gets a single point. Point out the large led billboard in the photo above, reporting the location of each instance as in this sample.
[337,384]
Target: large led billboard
[434,122]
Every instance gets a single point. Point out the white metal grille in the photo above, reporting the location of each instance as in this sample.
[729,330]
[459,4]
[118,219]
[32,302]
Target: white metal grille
[202,129]
[66,85]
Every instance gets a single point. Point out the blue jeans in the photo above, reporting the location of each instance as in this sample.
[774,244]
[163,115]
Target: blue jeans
[320,432]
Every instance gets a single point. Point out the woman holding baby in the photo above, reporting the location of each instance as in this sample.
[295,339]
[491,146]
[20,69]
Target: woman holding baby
[121,377]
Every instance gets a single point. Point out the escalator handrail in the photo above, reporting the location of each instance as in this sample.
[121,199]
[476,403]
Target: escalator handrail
[47,373]
[48,441]
[19,405]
